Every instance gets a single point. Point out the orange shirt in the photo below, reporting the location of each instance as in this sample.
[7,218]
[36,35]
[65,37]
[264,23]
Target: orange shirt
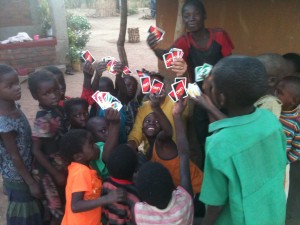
[82,179]
[173,166]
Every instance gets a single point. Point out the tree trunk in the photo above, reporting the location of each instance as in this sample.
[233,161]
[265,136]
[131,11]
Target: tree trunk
[122,34]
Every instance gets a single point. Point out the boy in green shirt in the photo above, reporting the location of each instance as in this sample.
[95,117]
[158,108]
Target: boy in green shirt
[245,155]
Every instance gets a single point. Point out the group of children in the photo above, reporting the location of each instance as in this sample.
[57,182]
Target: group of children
[80,164]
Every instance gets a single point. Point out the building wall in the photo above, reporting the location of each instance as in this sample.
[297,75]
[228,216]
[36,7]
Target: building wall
[255,27]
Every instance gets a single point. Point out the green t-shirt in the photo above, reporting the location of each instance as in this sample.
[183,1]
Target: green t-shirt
[98,164]
[244,170]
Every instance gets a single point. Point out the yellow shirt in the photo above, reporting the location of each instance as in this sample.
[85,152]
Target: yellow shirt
[136,134]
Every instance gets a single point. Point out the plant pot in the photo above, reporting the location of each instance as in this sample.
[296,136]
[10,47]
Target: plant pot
[76,66]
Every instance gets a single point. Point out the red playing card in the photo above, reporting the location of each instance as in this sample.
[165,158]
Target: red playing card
[159,33]
[87,56]
[145,83]
[140,73]
[177,79]
[179,89]
[126,70]
[168,59]
[173,96]
[156,86]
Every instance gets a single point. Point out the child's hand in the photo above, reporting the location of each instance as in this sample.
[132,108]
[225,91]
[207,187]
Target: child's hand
[179,107]
[118,195]
[60,179]
[179,66]
[203,100]
[152,41]
[100,68]
[155,99]
[88,70]
[112,115]
[119,68]
[35,190]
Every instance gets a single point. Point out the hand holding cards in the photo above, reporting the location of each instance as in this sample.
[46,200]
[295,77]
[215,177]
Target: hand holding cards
[201,72]
[171,55]
[105,100]
[159,33]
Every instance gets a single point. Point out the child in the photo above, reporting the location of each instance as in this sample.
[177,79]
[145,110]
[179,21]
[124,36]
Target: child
[59,76]
[83,205]
[158,130]
[105,133]
[49,167]
[121,164]
[104,84]
[240,186]
[163,202]
[288,91]
[15,154]
[76,110]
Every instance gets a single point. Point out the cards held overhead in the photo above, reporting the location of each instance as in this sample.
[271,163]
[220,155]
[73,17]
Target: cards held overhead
[105,100]
[159,33]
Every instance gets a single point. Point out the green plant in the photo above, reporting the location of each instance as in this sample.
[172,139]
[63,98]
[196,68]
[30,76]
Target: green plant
[44,16]
[78,35]
[132,11]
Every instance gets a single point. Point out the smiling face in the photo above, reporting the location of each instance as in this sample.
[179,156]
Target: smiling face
[79,116]
[151,126]
[48,93]
[193,18]
[10,88]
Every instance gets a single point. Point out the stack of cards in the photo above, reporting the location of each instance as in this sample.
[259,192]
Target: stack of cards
[87,56]
[159,33]
[153,88]
[126,70]
[178,89]
[110,63]
[201,72]
[171,55]
[105,100]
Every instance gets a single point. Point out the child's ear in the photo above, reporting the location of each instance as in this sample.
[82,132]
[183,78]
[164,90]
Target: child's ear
[272,81]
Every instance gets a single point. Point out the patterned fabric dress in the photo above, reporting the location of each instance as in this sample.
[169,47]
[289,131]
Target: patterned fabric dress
[23,209]
[49,126]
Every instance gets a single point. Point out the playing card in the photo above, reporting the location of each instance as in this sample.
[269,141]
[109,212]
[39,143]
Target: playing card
[181,78]
[179,89]
[159,33]
[177,53]
[198,76]
[168,59]
[156,86]
[87,56]
[173,96]
[111,67]
[126,70]
[193,90]
[116,105]
[140,73]
[95,97]
[205,70]
[145,83]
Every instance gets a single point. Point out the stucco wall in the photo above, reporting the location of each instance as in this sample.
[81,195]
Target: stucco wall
[255,26]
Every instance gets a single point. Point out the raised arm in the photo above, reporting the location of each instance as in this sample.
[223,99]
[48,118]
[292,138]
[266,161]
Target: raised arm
[112,116]
[9,140]
[166,127]
[182,146]
[100,68]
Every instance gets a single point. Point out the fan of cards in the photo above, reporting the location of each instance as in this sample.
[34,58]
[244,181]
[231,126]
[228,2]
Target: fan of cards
[201,72]
[179,89]
[147,87]
[171,55]
[105,100]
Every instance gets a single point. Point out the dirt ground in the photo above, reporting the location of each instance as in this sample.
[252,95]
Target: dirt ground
[103,41]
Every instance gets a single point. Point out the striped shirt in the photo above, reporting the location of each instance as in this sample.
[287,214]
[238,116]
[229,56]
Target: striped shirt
[119,213]
[291,125]
[180,211]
